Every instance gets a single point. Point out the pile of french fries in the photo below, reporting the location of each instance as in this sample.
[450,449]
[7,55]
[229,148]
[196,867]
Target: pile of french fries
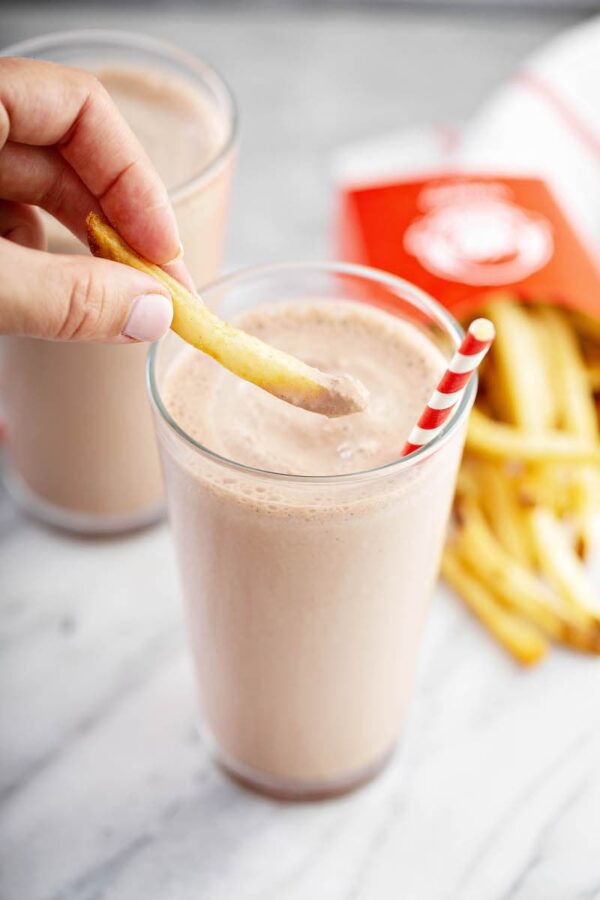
[528,491]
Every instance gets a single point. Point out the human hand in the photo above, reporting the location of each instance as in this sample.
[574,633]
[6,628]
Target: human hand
[64,147]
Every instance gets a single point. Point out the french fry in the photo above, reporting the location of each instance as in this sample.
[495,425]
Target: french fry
[562,567]
[521,366]
[243,354]
[522,641]
[496,401]
[467,482]
[516,586]
[519,589]
[532,460]
[592,373]
[498,441]
[576,412]
[587,326]
[568,380]
[546,485]
[503,512]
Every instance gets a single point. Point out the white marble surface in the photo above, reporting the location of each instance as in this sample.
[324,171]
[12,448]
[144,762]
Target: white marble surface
[106,793]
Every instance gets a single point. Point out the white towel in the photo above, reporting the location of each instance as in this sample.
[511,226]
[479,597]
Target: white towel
[544,123]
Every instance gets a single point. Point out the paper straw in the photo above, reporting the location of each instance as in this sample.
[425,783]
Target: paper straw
[466,360]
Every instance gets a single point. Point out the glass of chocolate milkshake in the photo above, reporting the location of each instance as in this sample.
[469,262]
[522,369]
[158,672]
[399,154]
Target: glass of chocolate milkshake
[81,447]
[308,548]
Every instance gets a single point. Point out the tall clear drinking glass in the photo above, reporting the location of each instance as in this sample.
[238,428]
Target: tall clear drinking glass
[81,449]
[306,595]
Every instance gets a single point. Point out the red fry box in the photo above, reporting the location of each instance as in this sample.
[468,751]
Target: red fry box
[460,236]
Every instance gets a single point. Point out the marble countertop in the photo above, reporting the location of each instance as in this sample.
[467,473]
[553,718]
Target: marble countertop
[105,791]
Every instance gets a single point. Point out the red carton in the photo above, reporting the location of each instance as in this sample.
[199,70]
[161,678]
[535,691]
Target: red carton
[460,236]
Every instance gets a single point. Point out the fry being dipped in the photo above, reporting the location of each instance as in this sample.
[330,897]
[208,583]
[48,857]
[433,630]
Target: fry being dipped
[277,372]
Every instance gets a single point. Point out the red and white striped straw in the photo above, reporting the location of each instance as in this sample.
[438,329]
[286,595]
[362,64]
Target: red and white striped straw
[466,360]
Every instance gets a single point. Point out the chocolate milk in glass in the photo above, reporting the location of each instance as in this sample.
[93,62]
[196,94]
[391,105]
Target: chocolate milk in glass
[81,445]
[307,548]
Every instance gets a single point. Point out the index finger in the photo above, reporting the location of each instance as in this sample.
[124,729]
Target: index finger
[45,104]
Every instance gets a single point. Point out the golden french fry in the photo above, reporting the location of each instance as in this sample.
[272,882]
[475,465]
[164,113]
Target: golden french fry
[544,453]
[568,380]
[498,441]
[592,373]
[243,354]
[562,567]
[516,586]
[546,485]
[503,512]
[522,641]
[467,482]
[521,366]
[587,326]
[576,412]
[491,397]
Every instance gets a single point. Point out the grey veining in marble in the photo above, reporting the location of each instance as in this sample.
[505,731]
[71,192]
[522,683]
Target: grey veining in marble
[105,791]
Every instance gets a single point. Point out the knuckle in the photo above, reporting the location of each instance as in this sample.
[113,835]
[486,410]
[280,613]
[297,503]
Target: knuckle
[54,196]
[92,95]
[86,308]
[96,92]
[90,82]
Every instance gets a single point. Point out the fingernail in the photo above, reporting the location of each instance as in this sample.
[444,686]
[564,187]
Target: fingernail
[149,318]
[178,255]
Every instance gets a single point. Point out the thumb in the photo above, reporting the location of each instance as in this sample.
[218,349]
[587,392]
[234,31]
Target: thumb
[78,298]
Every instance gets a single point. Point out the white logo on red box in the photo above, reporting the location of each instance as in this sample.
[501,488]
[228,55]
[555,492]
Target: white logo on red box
[472,233]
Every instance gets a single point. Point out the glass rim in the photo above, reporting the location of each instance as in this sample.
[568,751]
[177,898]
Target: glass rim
[192,64]
[413,294]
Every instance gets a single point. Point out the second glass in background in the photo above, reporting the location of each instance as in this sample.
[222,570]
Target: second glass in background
[81,448]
